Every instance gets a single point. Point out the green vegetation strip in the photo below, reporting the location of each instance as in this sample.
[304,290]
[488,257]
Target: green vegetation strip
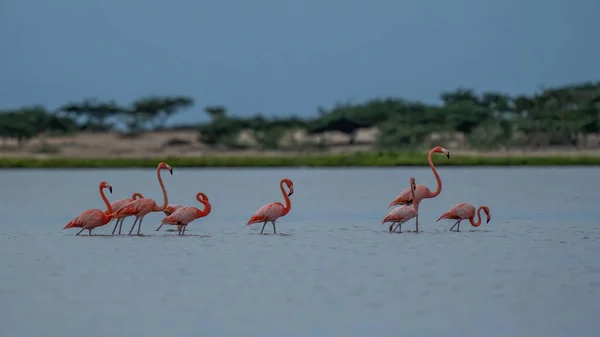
[337,160]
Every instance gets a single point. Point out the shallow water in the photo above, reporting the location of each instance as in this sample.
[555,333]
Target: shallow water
[334,270]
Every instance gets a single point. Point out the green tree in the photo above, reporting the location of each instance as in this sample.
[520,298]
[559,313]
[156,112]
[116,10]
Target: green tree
[93,112]
[156,110]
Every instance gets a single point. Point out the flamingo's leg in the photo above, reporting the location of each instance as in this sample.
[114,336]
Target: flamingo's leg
[121,225]
[274,230]
[458,227]
[140,225]
[116,224]
[456,223]
[132,227]
[90,232]
[184,227]
[159,227]
[80,231]
[263,228]
[417,221]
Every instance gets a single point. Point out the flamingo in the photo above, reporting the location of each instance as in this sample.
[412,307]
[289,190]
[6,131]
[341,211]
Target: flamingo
[464,211]
[117,205]
[139,208]
[403,213]
[271,212]
[170,209]
[93,218]
[422,192]
[184,215]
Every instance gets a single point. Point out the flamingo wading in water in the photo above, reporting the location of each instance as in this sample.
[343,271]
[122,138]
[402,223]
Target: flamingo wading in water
[93,218]
[170,209]
[403,213]
[141,207]
[271,212]
[117,205]
[464,211]
[184,215]
[422,192]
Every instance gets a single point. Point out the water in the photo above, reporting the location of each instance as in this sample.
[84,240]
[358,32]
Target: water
[534,270]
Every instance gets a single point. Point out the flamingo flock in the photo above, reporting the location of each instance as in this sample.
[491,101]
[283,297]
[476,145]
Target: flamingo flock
[181,216]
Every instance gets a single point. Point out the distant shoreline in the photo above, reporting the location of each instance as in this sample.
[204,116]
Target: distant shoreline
[360,159]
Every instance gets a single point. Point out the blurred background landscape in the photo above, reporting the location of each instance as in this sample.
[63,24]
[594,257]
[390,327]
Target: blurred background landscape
[562,119]
[142,79]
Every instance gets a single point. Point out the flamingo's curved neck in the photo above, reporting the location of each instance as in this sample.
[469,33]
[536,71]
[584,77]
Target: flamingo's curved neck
[435,173]
[207,207]
[412,193]
[288,203]
[472,220]
[164,191]
[108,206]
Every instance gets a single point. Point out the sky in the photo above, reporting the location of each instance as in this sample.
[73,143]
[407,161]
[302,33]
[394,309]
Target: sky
[282,57]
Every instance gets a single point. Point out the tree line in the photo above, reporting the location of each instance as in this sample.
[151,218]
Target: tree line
[564,115]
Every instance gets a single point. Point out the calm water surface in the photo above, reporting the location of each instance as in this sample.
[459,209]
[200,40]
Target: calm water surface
[534,270]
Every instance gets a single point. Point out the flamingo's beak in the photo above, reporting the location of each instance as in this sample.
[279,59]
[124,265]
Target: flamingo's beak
[110,189]
[448,154]
[291,192]
[488,220]
[171,171]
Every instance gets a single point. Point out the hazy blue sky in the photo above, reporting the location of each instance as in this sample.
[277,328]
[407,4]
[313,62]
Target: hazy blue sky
[287,57]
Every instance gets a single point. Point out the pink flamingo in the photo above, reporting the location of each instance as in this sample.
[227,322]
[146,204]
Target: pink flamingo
[139,208]
[93,218]
[184,215]
[271,212]
[117,205]
[403,213]
[170,209]
[422,192]
[464,211]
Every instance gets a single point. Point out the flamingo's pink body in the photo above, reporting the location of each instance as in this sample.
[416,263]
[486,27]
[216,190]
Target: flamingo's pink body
[403,213]
[422,192]
[170,209]
[465,211]
[141,207]
[273,211]
[182,216]
[93,218]
[117,205]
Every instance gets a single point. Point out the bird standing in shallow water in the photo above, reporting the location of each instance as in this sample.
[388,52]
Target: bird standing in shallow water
[422,192]
[403,213]
[93,218]
[273,211]
[117,205]
[464,211]
[170,209]
[184,215]
[141,207]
